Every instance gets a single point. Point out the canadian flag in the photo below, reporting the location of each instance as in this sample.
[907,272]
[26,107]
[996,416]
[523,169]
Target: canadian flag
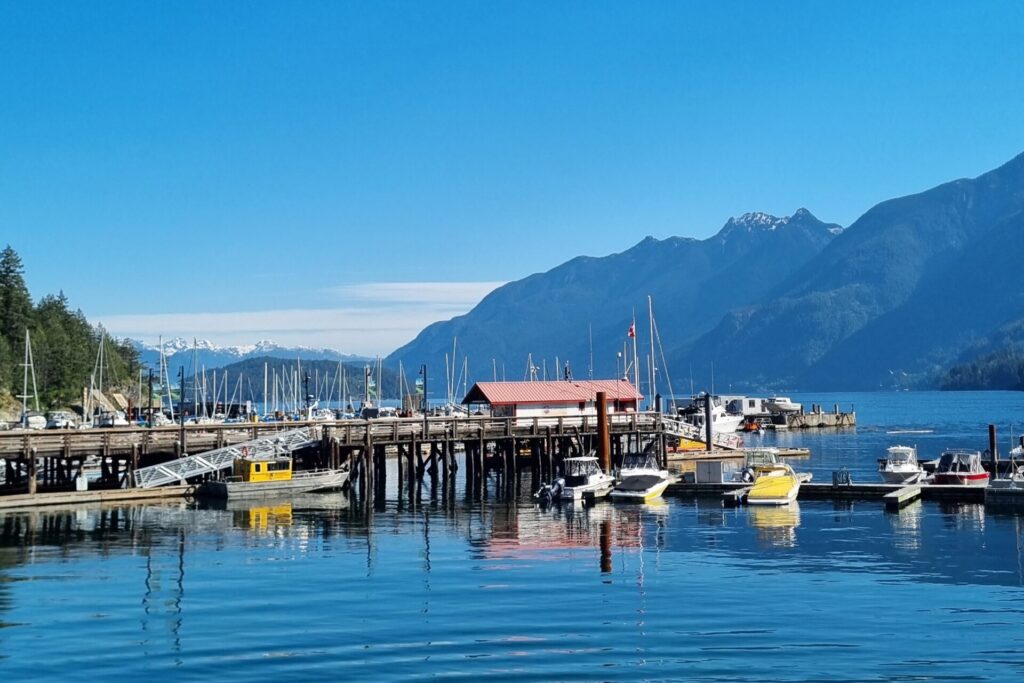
[632,331]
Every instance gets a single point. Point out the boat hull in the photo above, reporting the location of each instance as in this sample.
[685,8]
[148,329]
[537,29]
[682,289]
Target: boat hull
[644,488]
[774,490]
[961,478]
[578,492]
[301,482]
[902,477]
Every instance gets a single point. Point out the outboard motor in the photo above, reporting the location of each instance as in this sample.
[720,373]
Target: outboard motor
[549,493]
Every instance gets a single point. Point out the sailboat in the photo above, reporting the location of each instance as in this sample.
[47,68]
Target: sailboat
[30,420]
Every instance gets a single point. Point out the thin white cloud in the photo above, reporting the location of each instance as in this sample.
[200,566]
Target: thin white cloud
[371,318]
[451,293]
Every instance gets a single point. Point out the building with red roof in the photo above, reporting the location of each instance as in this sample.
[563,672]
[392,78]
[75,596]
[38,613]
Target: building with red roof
[557,398]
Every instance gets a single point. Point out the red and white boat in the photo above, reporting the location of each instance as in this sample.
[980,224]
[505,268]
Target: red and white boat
[961,468]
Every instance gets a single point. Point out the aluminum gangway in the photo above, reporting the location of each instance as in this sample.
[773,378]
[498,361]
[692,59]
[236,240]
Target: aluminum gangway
[690,431]
[176,471]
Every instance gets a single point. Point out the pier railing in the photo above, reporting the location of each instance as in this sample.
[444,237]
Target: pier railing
[207,437]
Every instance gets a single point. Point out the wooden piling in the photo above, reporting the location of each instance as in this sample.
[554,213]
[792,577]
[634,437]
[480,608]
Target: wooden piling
[993,449]
[32,471]
[604,449]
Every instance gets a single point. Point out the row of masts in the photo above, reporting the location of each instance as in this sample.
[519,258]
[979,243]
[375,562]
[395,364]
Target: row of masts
[286,389]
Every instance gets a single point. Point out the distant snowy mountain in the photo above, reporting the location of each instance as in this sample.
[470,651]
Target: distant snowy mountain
[208,355]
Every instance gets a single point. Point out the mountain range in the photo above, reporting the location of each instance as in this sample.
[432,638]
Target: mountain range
[916,284]
[208,355]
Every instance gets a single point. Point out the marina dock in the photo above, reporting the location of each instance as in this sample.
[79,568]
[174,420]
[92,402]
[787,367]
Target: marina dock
[892,496]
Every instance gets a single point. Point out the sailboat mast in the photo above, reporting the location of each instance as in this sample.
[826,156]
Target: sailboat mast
[654,368]
[636,365]
[590,368]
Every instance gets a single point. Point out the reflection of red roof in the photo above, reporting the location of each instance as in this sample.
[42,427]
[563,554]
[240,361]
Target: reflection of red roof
[560,391]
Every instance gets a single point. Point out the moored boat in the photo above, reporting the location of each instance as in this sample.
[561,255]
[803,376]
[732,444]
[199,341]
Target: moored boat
[1014,479]
[961,468]
[775,485]
[722,421]
[900,466]
[640,478]
[754,458]
[258,477]
[582,476]
[783,404]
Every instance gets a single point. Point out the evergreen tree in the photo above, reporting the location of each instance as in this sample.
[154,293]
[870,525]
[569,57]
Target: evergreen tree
[64,344]
[15,310]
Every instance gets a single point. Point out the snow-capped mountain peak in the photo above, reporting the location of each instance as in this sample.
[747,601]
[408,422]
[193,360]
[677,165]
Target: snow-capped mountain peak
[212,355]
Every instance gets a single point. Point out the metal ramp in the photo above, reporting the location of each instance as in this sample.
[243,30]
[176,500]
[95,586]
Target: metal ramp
[680,428]
[222,458]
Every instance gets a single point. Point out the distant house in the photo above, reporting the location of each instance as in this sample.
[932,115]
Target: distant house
[561,398]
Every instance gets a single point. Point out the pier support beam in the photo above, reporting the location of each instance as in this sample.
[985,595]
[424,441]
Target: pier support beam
[604,449]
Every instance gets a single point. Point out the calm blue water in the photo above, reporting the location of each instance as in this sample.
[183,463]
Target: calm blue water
[317,589]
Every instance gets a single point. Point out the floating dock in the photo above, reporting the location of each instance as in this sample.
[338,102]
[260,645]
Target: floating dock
[22,501]
[893,496]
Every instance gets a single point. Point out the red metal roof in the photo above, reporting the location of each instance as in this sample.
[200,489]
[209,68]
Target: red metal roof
[558,391]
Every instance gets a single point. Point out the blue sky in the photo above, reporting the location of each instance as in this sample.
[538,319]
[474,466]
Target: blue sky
[341,173]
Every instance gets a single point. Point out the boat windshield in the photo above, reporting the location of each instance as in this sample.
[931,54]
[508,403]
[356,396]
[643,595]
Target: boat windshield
[581,467]
[955,461]
[901,454]
[762,456]
[637,461]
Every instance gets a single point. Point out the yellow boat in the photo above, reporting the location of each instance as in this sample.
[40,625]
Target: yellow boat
[272,476]
[774,484]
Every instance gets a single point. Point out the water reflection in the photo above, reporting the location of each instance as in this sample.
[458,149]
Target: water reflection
[906,526]
[776,524]
[517,531]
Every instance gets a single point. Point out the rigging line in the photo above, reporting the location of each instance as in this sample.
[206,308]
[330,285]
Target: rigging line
[664,364]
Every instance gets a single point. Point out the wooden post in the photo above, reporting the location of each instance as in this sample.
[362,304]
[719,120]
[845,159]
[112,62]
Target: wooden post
[32,471]
[993,449]
[604,449]
[134,463]
[708,434]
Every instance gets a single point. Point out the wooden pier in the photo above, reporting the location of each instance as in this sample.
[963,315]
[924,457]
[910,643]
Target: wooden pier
[41,461]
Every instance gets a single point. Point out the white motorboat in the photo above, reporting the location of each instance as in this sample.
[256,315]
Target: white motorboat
[722,422]
[640,478]
[783,404]
[961,468]
[582,476]
[900,466]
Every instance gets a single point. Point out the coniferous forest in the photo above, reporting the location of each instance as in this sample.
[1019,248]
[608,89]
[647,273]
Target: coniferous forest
[64,344]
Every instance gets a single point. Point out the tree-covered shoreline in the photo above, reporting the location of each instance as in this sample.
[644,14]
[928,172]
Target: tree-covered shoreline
[64,343]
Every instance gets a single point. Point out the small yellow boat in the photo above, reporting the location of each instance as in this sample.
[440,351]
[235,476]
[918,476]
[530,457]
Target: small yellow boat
[775,484]
[256,477]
